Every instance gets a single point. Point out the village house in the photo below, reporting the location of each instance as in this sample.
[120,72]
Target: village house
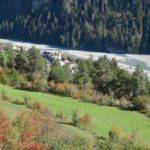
[56,55]
[53,55]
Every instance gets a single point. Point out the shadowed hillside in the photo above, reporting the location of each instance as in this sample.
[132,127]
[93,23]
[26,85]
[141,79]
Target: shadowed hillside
[102,25]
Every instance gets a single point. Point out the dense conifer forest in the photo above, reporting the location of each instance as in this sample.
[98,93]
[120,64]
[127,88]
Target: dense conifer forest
[102,25]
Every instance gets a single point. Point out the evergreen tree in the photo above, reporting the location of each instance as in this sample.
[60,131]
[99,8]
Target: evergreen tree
[60,74]
[140,82]
[22,61]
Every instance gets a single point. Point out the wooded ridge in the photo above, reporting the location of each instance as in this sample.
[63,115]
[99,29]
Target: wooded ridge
[104,25]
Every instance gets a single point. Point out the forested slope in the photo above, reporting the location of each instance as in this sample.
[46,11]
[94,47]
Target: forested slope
[119,25]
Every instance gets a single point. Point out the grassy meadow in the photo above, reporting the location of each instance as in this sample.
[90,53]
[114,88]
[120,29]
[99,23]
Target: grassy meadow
[103,117]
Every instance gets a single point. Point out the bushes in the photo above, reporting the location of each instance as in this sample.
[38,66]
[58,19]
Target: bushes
[24,85]
[18,102]
[10,77]
[59,88]
[142,103]
[4,128]
[75,118]
[38,83]
[27,100]
[106,100]
[3,96]
[60,115]
[40,86]
[126,105]
[116,140]
[79,92]
[32,105]
[115,133]
[32,125]
[36,130]
[67,143]
[85,122]
[3,76]
[82,122]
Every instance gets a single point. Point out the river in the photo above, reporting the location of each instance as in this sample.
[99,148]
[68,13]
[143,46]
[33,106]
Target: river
[125,61]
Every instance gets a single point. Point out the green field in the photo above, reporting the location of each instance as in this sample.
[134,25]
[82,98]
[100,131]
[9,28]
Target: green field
[103,118]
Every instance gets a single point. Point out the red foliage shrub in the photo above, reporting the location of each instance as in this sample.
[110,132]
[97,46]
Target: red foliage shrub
[2,138]
[85,121]
[4,127]
[38,106]
[32,125]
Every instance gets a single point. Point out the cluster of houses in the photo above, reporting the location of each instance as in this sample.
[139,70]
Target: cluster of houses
[50,56]
[14,47]
[57,56]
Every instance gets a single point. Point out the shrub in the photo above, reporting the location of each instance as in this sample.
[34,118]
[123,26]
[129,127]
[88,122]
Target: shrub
[76,95]
[34,146]
[38,106]
[3,96]
[60,88]
[40,85]
[18,102]
[115,133]
[30,126]
[60,115]
[10,77]
[35,106]
[3,76]
[116,140]
[78,142]
[15,77]
[67,143]
[27,101]
[75,118]
[85,122]
[101,99]
[126,104]
[82,122]
[74,92]
[4,128]
[142,103]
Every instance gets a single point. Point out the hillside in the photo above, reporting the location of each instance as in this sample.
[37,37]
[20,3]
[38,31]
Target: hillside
[101,25]
[103,118]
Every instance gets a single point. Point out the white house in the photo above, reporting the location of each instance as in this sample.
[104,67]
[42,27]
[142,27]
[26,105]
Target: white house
[15,47]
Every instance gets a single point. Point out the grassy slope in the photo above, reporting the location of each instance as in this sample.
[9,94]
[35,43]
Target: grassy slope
[103,118]
[10,109]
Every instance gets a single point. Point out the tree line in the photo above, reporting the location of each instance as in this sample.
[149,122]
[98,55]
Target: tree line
[102,25]
[101,82]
